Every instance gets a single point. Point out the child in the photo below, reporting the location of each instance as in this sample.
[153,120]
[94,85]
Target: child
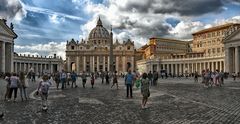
[43,88]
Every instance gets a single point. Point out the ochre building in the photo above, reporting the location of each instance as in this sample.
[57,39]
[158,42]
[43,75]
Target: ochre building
[215,48]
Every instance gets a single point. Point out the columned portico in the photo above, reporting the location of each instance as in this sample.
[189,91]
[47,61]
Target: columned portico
[3,57]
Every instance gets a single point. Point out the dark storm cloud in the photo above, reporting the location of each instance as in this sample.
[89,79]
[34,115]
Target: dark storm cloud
[189,7]
[9,8]
[185,8]
[157,30]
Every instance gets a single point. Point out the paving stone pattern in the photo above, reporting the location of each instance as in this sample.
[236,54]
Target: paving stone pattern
[172,101]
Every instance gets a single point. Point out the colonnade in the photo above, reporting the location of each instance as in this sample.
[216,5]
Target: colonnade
[186,67]
[35,67]
[99,63]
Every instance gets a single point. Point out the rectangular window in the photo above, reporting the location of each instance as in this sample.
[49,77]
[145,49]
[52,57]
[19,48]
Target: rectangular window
[213,50]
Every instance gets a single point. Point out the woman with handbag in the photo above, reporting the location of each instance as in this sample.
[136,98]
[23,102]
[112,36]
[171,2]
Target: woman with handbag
[145,89]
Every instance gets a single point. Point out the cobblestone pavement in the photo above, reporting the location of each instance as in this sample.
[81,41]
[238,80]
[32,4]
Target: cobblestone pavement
[172,101]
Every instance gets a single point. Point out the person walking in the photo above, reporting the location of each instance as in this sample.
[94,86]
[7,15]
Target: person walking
[107,77]
[150,77]
[221,78]
[57,79]
[196,77]
[68,78]
[7,78]
[84,79]
[92,79]
[129,78]
[115,79]
[145,89]
[63,78]
[14,83]
[42,89]
[102,76]
[74,78]
[23,86]
[155,78]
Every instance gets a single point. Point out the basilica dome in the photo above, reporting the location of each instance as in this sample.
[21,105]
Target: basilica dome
[99,32]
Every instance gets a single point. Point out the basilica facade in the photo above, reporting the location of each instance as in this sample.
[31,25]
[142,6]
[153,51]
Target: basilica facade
[93,54]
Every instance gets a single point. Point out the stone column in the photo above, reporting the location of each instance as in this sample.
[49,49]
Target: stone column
[184,66]
[204,65]
[180,71]
[172,69]
[108,63]
[51,67]
[220,69]
[84,63]
[93,63]
[168,68]
[36,67]
[12,54]
[227,59]
[15,66]
[117,63]
[41,69]
[98,64]
[3,57]
[68,65]
[236,59]
[104,63]
[176,69]
[196,67]
[133,65]
[90,64]
[209,66]
[200,68]
[212,69]
[24,67]
[192,68]
[77,65]
[124,64]
[20,67]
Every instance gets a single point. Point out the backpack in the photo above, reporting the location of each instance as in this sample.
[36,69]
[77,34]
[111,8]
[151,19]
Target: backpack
[44,87]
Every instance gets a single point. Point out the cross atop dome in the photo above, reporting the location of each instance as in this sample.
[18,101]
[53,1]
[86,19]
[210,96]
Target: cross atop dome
[99,22]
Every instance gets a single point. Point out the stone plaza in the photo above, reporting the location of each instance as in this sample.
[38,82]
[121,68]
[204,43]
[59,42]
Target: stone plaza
[172,101]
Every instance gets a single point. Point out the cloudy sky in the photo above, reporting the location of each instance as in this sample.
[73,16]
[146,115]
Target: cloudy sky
[44,26]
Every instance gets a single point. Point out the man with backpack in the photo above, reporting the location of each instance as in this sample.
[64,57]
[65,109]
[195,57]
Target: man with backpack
[43,88]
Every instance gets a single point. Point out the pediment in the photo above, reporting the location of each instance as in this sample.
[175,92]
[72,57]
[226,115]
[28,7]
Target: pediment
[5,30]
[233,37]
